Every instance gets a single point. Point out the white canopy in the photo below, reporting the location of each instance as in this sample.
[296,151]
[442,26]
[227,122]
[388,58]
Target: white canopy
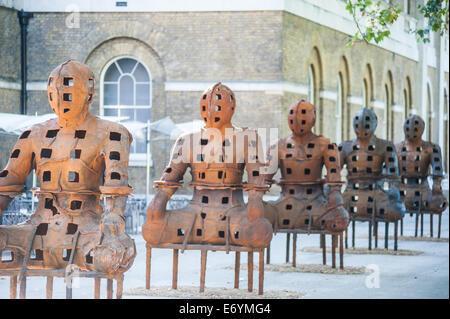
[16,123]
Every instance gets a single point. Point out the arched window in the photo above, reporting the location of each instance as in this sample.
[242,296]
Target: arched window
[127,93]
[339,107]
[429,114]
[365,94]
[446,128]
[311,87]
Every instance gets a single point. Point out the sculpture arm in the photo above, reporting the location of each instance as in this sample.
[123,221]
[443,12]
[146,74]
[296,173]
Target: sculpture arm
[171,178]
[436,168]
[391,165]
[116,152]
[256,184]
[21,162]
[333,178]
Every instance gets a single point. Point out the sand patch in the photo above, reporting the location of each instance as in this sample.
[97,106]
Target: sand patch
[308,268]
[412,238]
[190,292]
[365,251]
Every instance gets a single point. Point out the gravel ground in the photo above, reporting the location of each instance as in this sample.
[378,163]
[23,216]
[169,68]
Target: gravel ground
[422,274]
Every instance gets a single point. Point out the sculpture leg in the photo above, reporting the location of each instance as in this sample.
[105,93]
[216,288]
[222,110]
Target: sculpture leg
[268,255]
[119,287]
[250,271]
[148,267]
[370,235]
[439,225]
[97,288]
[333,251]
[341,250]
[237,266]
[109,288]
[386,235]
[175,269]
[375,230]
[431,225]
[396,235]
[49,288]
[288,237]
[13,287]
[294,248]
[324,248]
[261,272]
[203,270]
[353,233]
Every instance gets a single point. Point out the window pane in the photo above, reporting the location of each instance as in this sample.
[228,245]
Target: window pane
[112,74]
[141,74]
[110,92]
[143,115]
[141,146]
[130,113]
[110,112]
[127,64]
[142,94]
[126,90]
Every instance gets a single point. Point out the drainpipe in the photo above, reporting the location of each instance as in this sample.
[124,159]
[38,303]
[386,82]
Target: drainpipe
[23,20]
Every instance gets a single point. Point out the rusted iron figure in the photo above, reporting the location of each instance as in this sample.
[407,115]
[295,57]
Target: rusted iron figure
[217,216]
[416,157]
[78,159]
[371,162]
[308,203]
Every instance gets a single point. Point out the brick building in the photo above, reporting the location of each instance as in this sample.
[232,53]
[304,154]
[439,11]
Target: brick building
[153,59]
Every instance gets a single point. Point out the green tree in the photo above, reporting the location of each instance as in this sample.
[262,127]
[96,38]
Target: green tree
[373,19]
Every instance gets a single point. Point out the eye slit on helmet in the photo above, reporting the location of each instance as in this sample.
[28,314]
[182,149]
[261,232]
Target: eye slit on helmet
[367,118]
[216,119]
[204,96]
[50,81]
[89,97]
[203,108]
[357,118]
[231,97]
[218,108]
[303,111]
[91,83]
[367,126]
[68,81]
[67,96]
[291,112]
[66,110]
[218,96]
[50,96]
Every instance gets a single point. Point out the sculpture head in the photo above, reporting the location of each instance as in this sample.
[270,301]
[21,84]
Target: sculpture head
[71,88]
[217,106]
[301,117]
[364,123]
[413,128]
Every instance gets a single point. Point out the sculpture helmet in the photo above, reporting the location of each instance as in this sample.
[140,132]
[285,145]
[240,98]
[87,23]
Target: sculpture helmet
[217,105]
[413,127]
[364,123]
[71,88]
[301,117]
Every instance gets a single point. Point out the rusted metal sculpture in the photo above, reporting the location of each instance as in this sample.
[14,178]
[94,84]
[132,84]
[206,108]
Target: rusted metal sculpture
[78,159]
[216,217]
[308,203]
[371,163]
[416,157]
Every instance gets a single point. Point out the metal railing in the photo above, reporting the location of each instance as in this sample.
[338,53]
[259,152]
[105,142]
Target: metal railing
[20,210]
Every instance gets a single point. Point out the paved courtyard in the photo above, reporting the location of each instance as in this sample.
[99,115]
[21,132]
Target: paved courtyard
[425,275]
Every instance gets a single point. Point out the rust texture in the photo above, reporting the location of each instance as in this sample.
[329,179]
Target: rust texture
[371,162]
[419,159]
[217,156]
[78,159]
[307,201]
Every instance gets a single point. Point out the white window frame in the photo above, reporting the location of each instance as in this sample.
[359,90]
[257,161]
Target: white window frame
[136,159]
